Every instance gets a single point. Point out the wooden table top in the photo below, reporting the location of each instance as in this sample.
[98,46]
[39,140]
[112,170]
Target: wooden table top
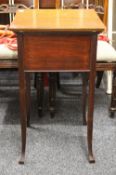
[57,20]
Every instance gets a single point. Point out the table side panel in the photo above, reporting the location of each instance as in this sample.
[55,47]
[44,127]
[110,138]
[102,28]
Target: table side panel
[56,52]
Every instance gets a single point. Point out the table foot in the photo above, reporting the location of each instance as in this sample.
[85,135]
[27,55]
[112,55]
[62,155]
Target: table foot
[22,159]
[91,158]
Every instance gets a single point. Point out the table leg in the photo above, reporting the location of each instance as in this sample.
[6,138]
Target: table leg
[90,116]
[28,87]
[24,111]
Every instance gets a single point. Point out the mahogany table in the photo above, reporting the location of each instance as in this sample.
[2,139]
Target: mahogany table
[56,41]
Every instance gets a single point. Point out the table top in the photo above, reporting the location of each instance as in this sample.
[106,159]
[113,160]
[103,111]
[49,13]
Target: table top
[57,20]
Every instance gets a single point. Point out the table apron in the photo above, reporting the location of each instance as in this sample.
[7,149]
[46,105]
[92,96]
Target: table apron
[51,52]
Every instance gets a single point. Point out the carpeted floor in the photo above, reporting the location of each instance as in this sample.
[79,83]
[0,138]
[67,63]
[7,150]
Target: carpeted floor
[56,146]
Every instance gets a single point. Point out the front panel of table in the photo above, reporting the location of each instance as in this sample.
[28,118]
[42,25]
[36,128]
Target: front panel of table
[56,51]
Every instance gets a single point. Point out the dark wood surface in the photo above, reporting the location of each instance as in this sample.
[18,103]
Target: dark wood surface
[47,4]
[64,60]
[3,1]
[25,2]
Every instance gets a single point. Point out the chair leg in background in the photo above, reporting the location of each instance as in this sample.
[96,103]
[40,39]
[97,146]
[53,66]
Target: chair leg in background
[52,93]
[40,92]
[113,97]
[109,82]
[99,78]
[58,80]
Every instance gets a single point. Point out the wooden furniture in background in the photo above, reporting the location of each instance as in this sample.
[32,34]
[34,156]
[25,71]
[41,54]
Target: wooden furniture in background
[9,60]
[109,62]
[44,4]
[11,9]
[106,55]
[106,58]
[113,36]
